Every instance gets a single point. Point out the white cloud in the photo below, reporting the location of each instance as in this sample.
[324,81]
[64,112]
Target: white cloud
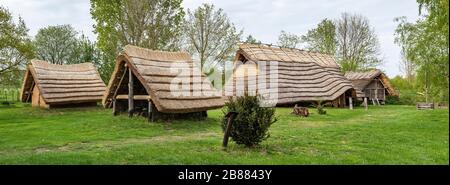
[41,13]
[264,19]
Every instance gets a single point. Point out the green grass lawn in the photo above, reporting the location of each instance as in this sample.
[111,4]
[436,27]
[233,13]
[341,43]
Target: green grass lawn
[382,135]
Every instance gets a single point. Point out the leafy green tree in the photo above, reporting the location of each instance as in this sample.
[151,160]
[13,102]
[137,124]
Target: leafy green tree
[62,45]
[322,39]
[211,36]
[425,43]
[357,44]
[407,67]
[288,40]
[85,51]
[407,89]
[15,49]
[252,40]
[350,39]
[152,24]
[56,44]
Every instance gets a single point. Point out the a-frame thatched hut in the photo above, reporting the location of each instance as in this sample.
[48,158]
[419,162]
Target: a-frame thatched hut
[301,76]
[50,85]
[373,85]
[159,84]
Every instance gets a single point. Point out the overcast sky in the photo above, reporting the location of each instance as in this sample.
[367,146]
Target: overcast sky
[264,19]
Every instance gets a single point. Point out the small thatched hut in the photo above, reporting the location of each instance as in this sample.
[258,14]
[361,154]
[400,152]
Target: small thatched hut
[49,85]
[159,84]
[301,76]
[373,85]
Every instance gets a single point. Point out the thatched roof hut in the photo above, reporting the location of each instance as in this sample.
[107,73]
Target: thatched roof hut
[302,76]
[49,85]
[372,84]
[156,78]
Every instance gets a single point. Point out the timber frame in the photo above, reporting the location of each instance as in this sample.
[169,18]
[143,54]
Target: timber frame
[140,86]
[303,77]
[373,85]
[49,85]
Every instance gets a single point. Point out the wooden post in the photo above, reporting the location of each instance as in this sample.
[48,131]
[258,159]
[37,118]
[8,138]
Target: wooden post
[365,103]
[130,93]
[350,103]
[376,94]
[114,111]
[230,116]
[150,111]
[30,92]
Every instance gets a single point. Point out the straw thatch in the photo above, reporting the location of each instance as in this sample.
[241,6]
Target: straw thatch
[302,75]
[361,80]
[155,71]
[48,84]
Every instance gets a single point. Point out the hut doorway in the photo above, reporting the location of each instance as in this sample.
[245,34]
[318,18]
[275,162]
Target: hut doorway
[344,100]
[138,104]
[132,97]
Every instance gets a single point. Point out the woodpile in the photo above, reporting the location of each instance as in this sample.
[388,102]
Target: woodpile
[421,106]
[300,111]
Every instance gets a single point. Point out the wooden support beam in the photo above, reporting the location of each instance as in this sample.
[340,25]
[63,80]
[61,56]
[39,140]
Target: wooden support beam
[130,93]
[150,111]
[136,97]
[30,93]
[376,92]
[365,103]
[120,82]
[230,116]
[114,108]
[350,103]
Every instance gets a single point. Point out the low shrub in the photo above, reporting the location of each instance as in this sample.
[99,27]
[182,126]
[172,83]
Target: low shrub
[250,126]
[320,108]
[392,100]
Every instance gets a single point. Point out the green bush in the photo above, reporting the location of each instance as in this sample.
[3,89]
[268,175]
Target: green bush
[392,100]
[250,126]
[321,110]
[320,107]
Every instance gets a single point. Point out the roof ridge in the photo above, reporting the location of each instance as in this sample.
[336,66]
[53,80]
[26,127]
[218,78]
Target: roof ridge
[280,47]
[160,55]
[46,62]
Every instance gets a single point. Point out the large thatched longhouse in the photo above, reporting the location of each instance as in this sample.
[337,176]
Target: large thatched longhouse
[373,85]
[49,85]
[301,76]
[159,84]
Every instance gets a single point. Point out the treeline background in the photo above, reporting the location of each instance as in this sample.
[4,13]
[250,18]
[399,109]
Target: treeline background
[208,34]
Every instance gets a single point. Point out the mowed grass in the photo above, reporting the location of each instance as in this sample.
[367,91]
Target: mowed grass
[382,135]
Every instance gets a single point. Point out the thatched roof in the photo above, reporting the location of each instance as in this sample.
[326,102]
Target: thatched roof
[261,52]
[63,84]
[361,79]
[155,70]
[302,75]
